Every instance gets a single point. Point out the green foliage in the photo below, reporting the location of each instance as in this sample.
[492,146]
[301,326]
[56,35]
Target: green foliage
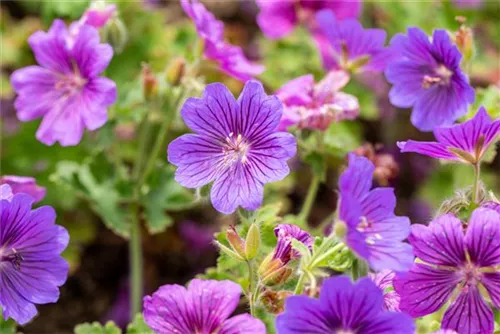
[97,328]
[7,326]
[342,138]
[138,326]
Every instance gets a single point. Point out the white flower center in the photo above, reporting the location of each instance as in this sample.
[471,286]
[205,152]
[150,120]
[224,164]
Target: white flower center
[235,149]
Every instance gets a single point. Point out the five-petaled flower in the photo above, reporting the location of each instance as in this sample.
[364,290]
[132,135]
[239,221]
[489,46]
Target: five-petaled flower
[204,308]
[426,75]
[455,266]
[236,145]
[343,307]
[466,142]
[65,89]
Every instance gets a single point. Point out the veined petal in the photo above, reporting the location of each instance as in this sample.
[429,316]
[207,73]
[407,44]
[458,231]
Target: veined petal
[357,178]
[91,57]
[390,322]
[431,149]
[305,315]
[491,282]
[483,237]
[276,18]
[378,204]
[242,324]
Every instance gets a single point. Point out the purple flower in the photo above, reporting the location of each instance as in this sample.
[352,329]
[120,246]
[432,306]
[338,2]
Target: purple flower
[384,280]
[468,3]
[230,58]
[491,205]
[6,192]
[285,233]
[277,18]
[31,266]
[98,17]
[343,307]
[236,145]
[350,46]
[66,89]
[316,106]
[24,184]
[427,76]
[198,238]
[373,232]
[455,266]
[466,142]
[204,307]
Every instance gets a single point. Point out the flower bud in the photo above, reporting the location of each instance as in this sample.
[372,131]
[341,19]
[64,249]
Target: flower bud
[149,83]
[175,71]
[252,242]
[340,229]
[277,277]
[115,33]
[237,244]
[229,252]
[464,39]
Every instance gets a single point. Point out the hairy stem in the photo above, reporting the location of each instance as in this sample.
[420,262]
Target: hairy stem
[135,258]
[310,197]
[300,284]
[475,187]
[251,288]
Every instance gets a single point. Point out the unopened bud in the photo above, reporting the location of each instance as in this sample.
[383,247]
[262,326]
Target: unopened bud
[277,277]
[175,71]
[149,83]
[340,229]
[237,244]
[464,38]
[115,33]
[229,252]
[252,242]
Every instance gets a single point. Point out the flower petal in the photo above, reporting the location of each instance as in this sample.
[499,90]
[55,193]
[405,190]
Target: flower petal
[491,282]
[242,324]
[92,58]
[431,149]
[276,18]
[378,204]
[304,315]
[483,237]
[357,178]
[390,322]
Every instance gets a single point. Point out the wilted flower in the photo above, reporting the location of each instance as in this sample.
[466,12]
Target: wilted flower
[426,75]
[66,89]
[31,266]
[455,266]
[204,307]
[230,58]
[384,280]
[372,230]
[343,307]
[236,145]
[466,142]
[24,184]
[285,233]
[350,46]
[315,106]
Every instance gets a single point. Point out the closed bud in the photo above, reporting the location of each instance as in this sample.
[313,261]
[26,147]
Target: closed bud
[175,71]
[464,39]
[229,252]
[274,301]
[149,83]
[237,244]
[115,33]
[277,277]
[340,229]
[252,242]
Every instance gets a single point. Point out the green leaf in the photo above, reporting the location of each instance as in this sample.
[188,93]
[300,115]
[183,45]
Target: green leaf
[139,326]
[97,328]
[317,163]
[343,137]
[7,326]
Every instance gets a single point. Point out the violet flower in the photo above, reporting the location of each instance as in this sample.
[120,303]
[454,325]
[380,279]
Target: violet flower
[31,266]
[466,142]
[426,76]
[236,145]
[65,89]
[367,219]
[384,281]
[204,308]
[230,58]
[315,106]
[24,184]
[285,233]
[455,266]
[98,16]
[351,47]
[343,307]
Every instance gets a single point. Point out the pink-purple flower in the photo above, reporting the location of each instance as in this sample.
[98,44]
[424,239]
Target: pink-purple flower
[384,280]
[236,145]
[426,76]
[98,16]
[230,58]
[285,233]
[343,307]
[350,46]
[66,88]
[456,266]
[204,307]
[466,142]
[315,106]
[373,231]
[31,266]
[24,184]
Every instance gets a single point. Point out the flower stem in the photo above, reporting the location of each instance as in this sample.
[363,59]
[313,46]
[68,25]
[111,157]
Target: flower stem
[135,258]
[475,187]
[300,284]
[251,288]
[310,197]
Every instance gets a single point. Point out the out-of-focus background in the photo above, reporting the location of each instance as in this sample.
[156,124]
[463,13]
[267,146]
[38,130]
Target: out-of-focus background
[156,32]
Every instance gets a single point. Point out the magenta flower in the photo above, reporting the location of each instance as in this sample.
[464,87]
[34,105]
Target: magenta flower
[97,16]
[426,75]
[230,58]
[315,106]
[350,46]
[24,184]
[384,281]
[455,266]
[204,308]
[31,266]
[373,231]
[343,307]
[65,89]
[285,233]
[236,145]
[466,142]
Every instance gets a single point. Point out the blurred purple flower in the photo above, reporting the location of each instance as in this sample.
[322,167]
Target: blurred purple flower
[473,4]
[66,89]
[24,184]
[491,205]
[236,145]
[350,47]
[229,57]
[97,16]
[374,232]
[119,312]
[10,123]
[6,192]
[316,106]
[204,307]
[445,268]
[419,211]
[343,307]
[384,280]
[426,75]
[285,233]
[196,236]
[31,267]
[466,142]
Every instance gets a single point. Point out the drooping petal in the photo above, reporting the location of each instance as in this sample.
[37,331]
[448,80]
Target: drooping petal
[440,243]
[424,290]
[305,315]
[469,313]
[431,149]
[357,178]
[483,237]
[242,324]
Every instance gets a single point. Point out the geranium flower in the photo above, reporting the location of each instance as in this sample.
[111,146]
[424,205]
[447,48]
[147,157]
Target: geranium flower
[24,184]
